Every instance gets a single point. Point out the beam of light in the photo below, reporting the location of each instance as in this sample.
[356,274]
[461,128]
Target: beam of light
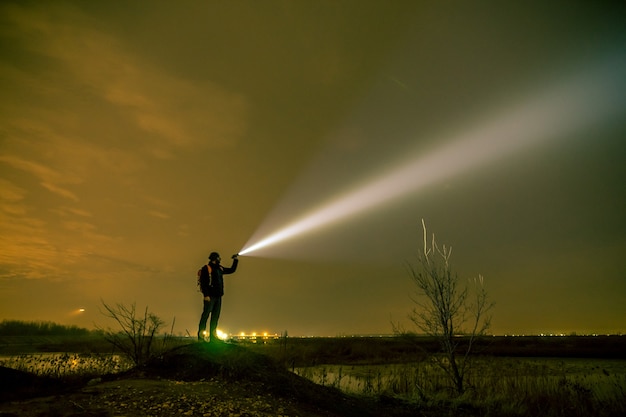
[573,105]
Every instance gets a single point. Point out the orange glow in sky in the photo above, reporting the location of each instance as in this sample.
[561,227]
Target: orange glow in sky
[137,139]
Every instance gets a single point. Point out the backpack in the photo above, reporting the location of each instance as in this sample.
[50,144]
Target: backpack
[200,274]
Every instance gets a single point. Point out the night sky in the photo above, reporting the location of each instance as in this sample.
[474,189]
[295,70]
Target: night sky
[137,138]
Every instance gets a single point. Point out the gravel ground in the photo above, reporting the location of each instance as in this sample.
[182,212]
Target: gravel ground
[149,397]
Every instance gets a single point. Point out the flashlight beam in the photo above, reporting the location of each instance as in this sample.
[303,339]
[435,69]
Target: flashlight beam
[569,107]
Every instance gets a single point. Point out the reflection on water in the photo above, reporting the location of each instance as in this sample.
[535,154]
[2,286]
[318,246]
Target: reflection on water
[63,364]
[375,379]
[490,376]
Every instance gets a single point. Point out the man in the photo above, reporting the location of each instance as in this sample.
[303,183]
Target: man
[212,287]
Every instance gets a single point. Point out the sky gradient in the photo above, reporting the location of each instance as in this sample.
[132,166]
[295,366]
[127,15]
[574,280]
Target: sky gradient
[136,139]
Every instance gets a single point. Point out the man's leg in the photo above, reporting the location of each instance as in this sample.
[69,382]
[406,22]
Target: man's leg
[215,316]
[206,310]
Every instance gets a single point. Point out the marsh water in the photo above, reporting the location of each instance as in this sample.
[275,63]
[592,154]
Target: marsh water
[60,364]
[494,376]
[596,376]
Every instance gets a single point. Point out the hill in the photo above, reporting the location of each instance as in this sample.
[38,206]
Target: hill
[195,379]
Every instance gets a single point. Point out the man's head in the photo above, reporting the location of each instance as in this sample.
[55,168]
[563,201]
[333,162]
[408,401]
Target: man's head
[214,257]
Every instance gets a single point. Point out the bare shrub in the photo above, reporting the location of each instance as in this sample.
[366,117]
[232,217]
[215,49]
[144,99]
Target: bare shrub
[136,339]
[452,311]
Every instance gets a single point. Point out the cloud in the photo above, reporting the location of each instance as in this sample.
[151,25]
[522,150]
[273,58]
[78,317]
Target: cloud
[47,176]
[60,191]
[82,227]
[40,171]
[86,122]
[174,113]
[72,211]
[158,214]
[25,251]
[10,192]
[11,198]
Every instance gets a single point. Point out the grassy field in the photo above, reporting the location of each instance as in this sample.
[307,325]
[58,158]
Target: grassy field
[510,376]
[506,386]
[298,352]
[516,376]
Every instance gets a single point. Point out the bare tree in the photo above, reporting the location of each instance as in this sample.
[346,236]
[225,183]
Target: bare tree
[455,313]
[136,337]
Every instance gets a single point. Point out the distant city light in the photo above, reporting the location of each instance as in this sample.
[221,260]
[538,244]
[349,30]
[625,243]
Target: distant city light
[253,337]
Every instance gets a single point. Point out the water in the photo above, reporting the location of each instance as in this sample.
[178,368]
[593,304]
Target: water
[62,364]
[493,375]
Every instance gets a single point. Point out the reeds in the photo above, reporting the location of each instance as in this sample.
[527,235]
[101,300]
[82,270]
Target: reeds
[67,365]
[496,386]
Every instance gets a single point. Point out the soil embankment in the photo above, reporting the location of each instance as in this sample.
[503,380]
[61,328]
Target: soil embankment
[198,379]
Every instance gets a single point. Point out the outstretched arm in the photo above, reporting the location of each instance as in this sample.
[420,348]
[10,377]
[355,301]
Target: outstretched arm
[233,267]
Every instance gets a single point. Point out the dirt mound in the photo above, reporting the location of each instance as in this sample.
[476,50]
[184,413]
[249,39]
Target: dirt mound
[255,372]
[13,381]
[204,361]
[198,361]
[198,376]
[18,384]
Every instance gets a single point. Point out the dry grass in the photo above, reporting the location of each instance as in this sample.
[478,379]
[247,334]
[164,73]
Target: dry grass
[376,372]
[497,386]
[64,365]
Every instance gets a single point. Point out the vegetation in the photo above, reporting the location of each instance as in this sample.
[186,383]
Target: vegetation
[506,386]
[503,381]
[136,339]
[447,309]
[39,328]
[67,366]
